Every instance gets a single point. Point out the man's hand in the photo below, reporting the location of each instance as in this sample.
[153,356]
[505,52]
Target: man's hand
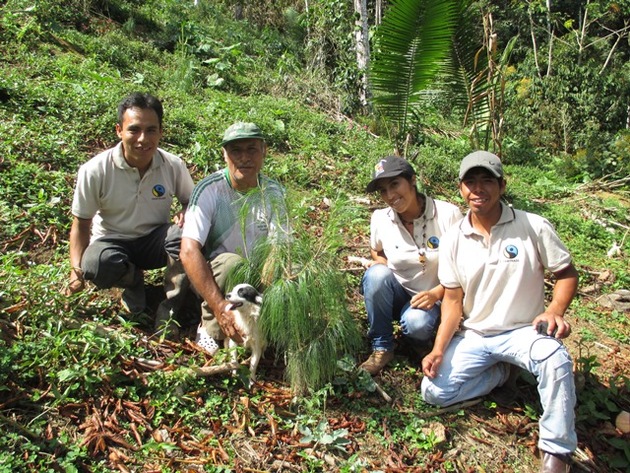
[431,364]
[225,318]
[553,321]
[563,292]
[77,282]
[178,219]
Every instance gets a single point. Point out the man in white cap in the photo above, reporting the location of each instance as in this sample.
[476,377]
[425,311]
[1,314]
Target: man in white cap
[492,266]
[229,212]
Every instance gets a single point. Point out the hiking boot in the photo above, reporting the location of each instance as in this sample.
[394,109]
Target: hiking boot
[377,361]
[552,463]
[133,298]
[205,341]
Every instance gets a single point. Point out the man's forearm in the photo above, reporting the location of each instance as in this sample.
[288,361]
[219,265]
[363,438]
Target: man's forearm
[79,241]
[202,279]
[451,316]
[564,290]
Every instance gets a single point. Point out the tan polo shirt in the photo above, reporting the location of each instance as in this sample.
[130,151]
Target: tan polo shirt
[502,279]
[120,203]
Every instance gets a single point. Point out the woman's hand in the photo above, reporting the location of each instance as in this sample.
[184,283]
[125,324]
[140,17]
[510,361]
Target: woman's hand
[424,300]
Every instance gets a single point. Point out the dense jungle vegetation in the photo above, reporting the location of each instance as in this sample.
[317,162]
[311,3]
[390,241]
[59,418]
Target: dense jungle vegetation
[85,388]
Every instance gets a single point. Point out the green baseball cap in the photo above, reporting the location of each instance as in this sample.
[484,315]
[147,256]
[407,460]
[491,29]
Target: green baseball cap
[241,130]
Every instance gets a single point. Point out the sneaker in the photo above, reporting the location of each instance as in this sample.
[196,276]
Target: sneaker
[205,341]
[377,361]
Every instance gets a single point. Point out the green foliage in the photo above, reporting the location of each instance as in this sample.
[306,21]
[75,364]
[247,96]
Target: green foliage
[63,68]
[330,51]
[601,403]
[417,435]
[304,314]
[575,114]
[437,165]
[32,199]
[410,44]
[48,14]
[322,435]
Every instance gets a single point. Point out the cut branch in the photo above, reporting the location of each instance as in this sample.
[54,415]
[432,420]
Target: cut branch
[218,369]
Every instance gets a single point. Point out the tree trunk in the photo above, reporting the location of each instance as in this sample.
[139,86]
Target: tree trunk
[534,45]
[362,41]
[550,33]
[308,22]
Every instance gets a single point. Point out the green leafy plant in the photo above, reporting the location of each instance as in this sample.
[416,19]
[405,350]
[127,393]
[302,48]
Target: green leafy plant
[67,363]
[475,75]
[304,313]
[410,45]
[324,436]
[599,403]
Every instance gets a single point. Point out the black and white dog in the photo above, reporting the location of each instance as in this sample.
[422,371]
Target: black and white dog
[245,303]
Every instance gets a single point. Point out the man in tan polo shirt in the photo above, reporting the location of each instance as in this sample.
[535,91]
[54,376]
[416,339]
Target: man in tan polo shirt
[122,206]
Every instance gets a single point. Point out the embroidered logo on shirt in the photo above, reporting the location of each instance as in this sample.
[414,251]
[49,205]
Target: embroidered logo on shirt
[510,252]
[158,190]
[433,243]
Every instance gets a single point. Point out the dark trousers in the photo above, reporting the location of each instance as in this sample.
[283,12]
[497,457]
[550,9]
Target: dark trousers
[110,262]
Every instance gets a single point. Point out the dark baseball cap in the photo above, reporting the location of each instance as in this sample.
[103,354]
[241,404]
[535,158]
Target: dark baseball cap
[240,131]
[391,166]
[481,159]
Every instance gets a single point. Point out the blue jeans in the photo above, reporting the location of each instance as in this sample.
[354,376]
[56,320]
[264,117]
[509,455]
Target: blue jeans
[385,301]
[473,365]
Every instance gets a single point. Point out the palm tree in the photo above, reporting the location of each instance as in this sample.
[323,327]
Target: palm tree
[474,77]
[411,44]
[424,44]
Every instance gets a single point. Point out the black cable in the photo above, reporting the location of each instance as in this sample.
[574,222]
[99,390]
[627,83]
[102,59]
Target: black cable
[545,337]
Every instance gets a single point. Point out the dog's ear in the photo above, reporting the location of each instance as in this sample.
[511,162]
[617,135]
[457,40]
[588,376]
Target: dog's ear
[249,293]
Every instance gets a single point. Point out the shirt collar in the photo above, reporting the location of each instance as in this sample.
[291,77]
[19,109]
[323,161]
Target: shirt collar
[507,215]
[120,162]
[226,176]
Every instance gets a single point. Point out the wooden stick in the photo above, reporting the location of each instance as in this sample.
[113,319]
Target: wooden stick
[217,369]
[382,392]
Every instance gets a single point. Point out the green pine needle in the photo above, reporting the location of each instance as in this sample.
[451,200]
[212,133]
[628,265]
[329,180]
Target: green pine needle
[304,313]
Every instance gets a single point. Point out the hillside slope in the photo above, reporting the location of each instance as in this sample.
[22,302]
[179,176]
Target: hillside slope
[82,388]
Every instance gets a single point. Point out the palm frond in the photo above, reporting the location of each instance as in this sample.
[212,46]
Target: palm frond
[410,45]
[460,73]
